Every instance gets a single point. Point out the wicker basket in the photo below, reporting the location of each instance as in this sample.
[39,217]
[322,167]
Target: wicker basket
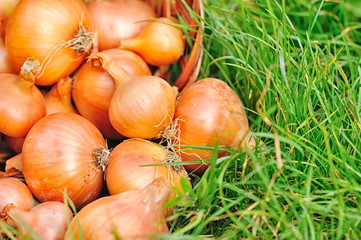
[190,62]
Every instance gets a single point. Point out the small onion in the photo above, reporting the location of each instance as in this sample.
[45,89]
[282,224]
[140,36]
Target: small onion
[48,220]
[124,171]
[57,33]
[115,20]
[13,191]
[160,43]
[58,99]
[21,102]
[141,106]
[209,112]
[129,215]
[65,152]
[93,88]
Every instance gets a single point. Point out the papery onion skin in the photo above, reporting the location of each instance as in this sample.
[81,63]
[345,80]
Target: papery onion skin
[210,113]
[38,28]
[21,102]
[124,171]
[129,215]
[49,220]
[93,88]
[142,107]
[13,191]
[117,20]
[59,154]
[14,167]
[160,43]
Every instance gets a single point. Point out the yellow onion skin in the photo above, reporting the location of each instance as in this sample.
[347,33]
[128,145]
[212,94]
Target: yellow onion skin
[160,43]
[142,107]
[14,191]
[5,64]
[48,220]
[115,20]
[43,29]
[129,215]
[93,88]
[60,153]
[58,99]
[21,102]
[124,171]
[7,6]
[209,112]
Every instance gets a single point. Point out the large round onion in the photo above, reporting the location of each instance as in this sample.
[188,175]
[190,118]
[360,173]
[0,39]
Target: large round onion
[54,32]
[65,152]
[208,113]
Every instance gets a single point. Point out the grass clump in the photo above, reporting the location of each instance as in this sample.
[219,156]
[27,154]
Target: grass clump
[296,67]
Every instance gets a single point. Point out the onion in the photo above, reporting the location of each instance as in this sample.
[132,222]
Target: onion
[13,191]
[115,20]
[21,103]
[124,171]
[64,151]
[160,43]
[58,99]
[57,33]
[46,221]
[209,112]
[5,65]
[141,106]
[93,88]
[129,215]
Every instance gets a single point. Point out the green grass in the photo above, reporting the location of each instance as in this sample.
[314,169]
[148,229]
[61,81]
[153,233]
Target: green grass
[296,66]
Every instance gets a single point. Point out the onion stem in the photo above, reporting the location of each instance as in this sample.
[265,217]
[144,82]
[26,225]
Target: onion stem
[101,157]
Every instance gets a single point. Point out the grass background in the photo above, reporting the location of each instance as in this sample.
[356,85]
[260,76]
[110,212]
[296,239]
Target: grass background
[296,66]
